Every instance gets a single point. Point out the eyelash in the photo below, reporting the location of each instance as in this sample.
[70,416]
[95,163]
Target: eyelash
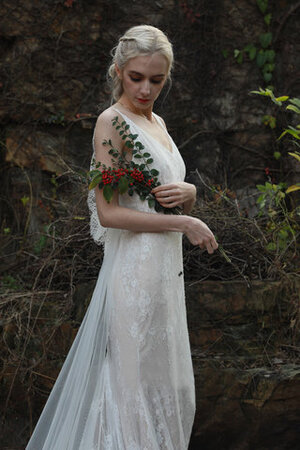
[136,80]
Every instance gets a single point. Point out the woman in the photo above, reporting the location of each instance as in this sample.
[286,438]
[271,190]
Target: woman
[127,383]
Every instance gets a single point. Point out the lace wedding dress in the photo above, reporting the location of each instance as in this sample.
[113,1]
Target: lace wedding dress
[127,382]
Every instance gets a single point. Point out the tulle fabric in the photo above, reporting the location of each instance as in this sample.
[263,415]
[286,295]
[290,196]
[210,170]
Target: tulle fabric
[83,376]
[98,232]
[127,382]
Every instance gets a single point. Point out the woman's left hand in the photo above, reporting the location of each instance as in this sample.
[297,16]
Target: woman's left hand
[175,194]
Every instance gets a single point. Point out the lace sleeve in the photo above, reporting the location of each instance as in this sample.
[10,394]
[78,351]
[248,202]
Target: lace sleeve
[97,231]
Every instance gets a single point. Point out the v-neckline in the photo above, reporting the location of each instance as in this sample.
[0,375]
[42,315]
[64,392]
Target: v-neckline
[169,150]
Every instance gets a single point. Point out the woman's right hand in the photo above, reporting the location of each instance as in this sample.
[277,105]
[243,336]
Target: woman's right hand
[198,233]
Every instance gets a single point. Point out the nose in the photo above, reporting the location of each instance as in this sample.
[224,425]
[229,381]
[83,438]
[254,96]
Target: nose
[145,88]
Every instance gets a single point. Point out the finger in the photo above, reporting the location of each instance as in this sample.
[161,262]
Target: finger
[166,193]
[170,199]
[209,248]
[215,245]
[170,205]
[163,187]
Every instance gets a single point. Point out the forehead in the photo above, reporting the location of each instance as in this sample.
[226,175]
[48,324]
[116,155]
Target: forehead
[155,64]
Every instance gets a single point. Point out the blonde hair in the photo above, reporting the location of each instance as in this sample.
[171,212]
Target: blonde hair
[137,41]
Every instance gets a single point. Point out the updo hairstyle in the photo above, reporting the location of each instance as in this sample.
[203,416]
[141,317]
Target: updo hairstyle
[140,40]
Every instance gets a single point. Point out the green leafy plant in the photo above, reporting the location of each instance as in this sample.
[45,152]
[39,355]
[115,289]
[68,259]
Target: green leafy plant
[282,226]
[128,176]
[262,51]
[291,131]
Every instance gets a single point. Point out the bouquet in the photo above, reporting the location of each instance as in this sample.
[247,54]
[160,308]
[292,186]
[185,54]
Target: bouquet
[128,176]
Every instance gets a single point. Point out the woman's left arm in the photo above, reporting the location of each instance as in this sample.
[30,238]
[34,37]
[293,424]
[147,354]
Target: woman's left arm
[176,194]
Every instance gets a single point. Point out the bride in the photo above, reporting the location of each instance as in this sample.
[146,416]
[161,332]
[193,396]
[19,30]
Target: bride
[127,382]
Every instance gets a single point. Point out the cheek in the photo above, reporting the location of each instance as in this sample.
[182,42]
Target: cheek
[129,85]
[157,90]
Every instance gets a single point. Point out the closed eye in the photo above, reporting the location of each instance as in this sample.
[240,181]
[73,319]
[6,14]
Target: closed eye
[137,80]
[156,81]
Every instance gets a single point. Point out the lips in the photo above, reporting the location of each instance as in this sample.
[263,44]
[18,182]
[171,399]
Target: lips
[142,100]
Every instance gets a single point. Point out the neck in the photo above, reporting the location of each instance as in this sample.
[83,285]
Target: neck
[146,114]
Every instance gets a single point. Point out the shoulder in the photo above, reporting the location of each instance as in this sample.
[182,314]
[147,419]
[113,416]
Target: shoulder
[104,123]
[161,121]
[105,129]
[106,117]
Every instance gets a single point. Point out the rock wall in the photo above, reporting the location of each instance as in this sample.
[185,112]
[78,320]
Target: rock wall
[247,384]
[244,348]
[53,70]
[54,56]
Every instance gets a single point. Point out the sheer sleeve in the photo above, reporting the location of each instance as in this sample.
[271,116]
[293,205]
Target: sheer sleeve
[97,231]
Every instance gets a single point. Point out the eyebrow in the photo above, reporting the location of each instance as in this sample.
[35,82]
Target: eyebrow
[133,72]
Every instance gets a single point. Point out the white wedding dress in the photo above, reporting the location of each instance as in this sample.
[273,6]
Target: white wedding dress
[127,382]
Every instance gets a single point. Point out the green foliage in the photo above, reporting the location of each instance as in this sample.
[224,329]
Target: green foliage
[58,119]
[128,176]
[293,105]
[24,200]
[262,5]
[261,53]
[269,121]
[282,225]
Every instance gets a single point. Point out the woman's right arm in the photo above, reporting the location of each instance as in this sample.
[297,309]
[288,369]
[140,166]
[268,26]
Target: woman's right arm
[112,215]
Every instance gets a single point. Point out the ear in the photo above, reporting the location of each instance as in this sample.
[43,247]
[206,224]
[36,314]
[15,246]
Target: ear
[118,71]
